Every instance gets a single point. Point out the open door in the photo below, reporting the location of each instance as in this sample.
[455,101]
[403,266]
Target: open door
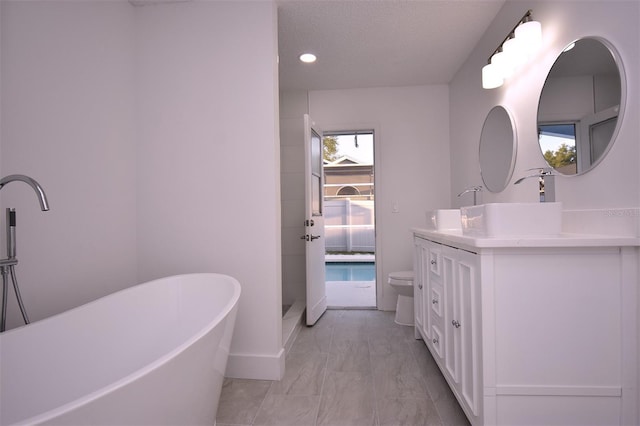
[314,223]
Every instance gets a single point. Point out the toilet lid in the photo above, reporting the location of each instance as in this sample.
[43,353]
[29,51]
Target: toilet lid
[402,275]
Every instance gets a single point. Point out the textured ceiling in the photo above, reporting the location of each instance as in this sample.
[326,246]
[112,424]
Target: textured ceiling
[377,43]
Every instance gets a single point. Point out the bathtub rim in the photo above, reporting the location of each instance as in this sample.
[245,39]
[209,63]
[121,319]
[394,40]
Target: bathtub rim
[229,307]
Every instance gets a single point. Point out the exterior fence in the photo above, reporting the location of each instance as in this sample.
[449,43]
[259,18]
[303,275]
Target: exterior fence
[349,226]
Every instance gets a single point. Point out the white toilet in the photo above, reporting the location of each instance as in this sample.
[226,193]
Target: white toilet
[402,282]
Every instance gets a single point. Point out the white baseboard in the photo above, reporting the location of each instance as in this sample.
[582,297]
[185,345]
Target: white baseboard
[257,367]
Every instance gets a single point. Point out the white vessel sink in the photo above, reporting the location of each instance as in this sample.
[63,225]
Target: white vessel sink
[512,220]
[444,220]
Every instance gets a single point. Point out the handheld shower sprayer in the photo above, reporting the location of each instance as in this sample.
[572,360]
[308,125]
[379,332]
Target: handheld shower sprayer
[11,233]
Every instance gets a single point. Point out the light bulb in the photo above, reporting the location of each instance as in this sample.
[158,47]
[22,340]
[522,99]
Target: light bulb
[491,77]
[513,47]
[308,58]
[529,35]
[504,63]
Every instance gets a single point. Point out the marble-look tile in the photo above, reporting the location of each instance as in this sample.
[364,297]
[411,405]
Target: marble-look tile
[350,331]
[407,385]
[375,318]
[328,320]
[356,316]
[408,332]
[438,387]
[351,368]
[347,399]
[450,412]
[244,388]
[283,410]
[426,364]
[349,355]
[240,400]
[407,412]
[395,363]
[304,374]
[312,340]
[387,344]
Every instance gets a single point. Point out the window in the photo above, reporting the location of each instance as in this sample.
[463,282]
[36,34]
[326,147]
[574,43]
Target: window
[558,145]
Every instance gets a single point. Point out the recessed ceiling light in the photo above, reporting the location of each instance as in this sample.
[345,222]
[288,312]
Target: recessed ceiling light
[308,58]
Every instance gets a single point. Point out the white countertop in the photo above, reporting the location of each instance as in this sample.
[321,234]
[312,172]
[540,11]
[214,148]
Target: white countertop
[562,240]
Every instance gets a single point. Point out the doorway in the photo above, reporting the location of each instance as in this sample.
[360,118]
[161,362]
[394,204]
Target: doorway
[349,203]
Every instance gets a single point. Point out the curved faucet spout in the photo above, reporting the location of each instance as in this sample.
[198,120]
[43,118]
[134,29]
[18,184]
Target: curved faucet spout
[546,183]
[42,197]
[475,190]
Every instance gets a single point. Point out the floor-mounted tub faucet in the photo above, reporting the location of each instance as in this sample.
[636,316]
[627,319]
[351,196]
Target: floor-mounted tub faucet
[42,197]
[546,183]
[475,190]
[7,266]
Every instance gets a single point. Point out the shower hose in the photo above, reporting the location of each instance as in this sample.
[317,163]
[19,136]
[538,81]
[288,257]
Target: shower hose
[6,271]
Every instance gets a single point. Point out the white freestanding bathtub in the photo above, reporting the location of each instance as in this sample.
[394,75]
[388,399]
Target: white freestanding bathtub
[151,354]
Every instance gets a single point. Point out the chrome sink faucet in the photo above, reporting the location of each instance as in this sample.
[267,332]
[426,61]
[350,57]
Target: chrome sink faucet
[546,183]
[475,190]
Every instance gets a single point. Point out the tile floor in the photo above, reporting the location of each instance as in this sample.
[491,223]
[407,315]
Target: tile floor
[354,367]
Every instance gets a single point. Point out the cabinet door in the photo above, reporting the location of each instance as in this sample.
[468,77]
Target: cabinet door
[451,314]
[426,290]
[466,326]
[418,284]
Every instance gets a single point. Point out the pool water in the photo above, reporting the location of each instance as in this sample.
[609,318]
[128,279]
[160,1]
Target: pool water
[350,271]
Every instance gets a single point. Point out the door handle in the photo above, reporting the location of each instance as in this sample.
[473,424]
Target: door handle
[308,237]
[315,237]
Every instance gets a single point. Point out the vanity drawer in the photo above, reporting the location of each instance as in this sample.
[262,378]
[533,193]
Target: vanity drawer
[437,340]
[436,302]
[435,259]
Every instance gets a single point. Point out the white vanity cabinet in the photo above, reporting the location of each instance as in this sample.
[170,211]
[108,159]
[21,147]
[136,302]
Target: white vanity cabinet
[447,283]
[531,333]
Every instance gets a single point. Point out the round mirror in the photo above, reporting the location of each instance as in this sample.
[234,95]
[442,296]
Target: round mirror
[580,105]
[497,149]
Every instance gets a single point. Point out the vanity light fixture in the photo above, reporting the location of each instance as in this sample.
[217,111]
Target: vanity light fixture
[308,58]
[517,48]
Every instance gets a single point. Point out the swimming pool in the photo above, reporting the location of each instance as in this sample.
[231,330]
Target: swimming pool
[350,271]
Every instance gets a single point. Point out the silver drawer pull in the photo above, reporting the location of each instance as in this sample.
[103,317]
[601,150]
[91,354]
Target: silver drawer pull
[434,301]
[433,262]
[455,323]
[435,341]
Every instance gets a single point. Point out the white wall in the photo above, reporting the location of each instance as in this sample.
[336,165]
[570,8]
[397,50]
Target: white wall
[615,182]
[154,133]
[411,161]
[209,160]
[67,121]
